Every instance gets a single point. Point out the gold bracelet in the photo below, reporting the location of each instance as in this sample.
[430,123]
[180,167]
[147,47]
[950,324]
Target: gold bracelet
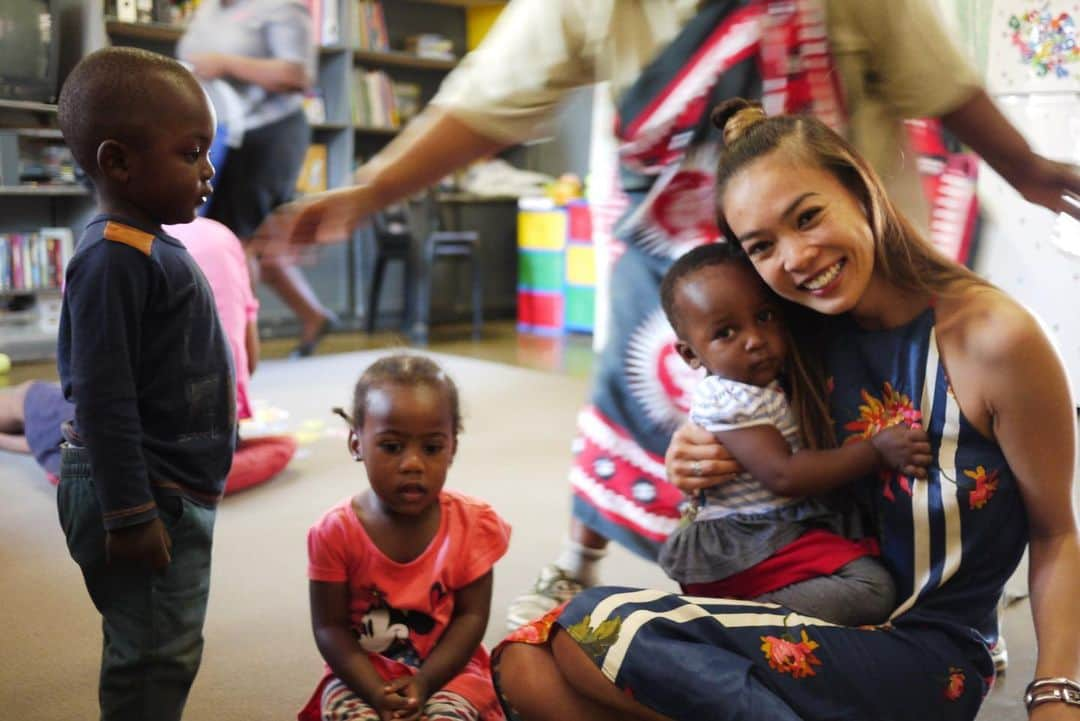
[1044,690]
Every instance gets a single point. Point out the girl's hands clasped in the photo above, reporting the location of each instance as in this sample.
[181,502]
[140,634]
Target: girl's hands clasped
[403,699]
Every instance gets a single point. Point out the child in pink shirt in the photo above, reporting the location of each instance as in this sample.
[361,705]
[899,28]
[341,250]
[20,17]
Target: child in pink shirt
[220,256]
[400,574]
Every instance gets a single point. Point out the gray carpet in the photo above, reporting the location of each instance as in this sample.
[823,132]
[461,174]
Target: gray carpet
[260,661]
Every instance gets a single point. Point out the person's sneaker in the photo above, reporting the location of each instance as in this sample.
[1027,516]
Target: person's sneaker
[553,586]
[999,653]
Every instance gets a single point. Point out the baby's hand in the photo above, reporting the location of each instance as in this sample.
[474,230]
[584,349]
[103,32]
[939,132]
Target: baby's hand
[404,699]
[904,449]
[144,544]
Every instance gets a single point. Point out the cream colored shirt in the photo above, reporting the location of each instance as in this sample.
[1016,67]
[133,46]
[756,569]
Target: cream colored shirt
[894,59]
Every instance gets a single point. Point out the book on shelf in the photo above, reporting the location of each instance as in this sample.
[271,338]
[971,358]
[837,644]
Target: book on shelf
[371,33]
[312,178]
[325,21]
[314,107]
[374,104]
[430,45]
[35,260]
[407,98]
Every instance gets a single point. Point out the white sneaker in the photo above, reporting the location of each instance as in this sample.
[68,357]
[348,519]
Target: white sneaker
[999,653]
[553,586]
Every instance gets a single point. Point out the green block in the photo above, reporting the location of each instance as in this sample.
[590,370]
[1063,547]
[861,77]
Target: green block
[579,308]
[538,270]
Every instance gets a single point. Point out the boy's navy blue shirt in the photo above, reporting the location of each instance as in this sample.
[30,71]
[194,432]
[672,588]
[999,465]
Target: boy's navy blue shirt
[144,359]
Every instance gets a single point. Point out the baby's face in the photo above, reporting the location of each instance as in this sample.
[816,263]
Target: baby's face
[731,324]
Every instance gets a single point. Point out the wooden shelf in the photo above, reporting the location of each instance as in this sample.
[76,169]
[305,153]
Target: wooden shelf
[159,32]
[330,126]
[48,133]
[372,130]
[44,190]
[27,106]
[403,60]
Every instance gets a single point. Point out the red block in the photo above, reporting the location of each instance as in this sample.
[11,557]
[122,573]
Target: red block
[579,222]
[540,310]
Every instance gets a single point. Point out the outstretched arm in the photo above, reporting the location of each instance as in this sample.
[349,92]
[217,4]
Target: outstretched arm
[979,124]
[272,74]
[765,454]
[1034,423]
[432,146]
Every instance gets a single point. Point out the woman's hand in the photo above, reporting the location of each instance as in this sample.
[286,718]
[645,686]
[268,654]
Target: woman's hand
[1052,185]
[695,460]
[321,218]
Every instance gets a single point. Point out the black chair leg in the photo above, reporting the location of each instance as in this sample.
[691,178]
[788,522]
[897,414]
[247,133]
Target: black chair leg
[373,296]
[422,313]
[477,295]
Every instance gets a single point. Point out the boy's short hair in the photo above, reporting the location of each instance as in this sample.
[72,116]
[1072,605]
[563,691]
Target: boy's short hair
[114,94]
[703,256]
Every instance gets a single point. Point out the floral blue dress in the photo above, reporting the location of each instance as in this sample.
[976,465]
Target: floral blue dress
[951,542]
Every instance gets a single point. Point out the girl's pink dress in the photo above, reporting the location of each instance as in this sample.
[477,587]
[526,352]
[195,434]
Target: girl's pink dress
[400,610]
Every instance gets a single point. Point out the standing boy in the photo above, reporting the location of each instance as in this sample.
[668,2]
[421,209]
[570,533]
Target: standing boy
[143,358]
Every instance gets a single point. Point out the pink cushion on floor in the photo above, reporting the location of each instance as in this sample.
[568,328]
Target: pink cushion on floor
[258,460]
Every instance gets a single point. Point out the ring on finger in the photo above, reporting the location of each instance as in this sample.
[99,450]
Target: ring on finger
[695,469]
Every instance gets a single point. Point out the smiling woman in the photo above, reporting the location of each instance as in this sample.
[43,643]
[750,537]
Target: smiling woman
[909,338]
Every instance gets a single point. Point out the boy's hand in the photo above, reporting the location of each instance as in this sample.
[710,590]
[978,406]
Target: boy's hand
[144,544]
[404,698]
[904,449]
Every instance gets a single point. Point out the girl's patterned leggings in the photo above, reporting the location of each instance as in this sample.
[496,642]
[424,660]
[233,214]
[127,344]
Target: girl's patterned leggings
[339,703]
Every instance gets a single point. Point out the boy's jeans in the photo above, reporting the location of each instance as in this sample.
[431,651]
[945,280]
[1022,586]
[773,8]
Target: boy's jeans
[152,622]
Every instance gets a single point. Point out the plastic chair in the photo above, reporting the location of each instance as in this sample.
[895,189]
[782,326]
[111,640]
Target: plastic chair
[395,240]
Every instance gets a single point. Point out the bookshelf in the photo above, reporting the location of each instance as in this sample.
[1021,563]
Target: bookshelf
[337,272]
[32,254]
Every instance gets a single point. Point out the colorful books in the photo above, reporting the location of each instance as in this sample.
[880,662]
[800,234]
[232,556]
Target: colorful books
[36,260]
[371,33]
[374,104]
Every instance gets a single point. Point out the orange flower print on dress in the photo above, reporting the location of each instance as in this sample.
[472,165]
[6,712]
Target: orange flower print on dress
[787,656]
[877,415]
[954,686]
[539,631]
[985,486]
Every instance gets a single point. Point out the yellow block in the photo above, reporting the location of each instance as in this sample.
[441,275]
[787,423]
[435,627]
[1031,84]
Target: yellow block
[541,230]
[478,20]
[580,265]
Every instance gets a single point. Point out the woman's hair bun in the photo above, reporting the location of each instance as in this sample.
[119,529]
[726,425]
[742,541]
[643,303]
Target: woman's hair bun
[734,116]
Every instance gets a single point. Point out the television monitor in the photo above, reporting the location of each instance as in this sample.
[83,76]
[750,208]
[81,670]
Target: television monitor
[29,50]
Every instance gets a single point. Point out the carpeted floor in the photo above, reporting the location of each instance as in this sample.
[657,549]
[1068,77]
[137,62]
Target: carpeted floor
[260,661]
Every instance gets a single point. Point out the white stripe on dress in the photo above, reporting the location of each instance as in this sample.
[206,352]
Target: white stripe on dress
[630,625]
[950,491]
[947,487]
[920,493]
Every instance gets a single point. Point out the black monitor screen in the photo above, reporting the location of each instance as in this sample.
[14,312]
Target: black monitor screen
[26,36]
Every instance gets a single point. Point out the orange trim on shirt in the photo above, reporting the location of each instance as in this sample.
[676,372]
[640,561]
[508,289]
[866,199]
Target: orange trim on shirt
[140,240]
